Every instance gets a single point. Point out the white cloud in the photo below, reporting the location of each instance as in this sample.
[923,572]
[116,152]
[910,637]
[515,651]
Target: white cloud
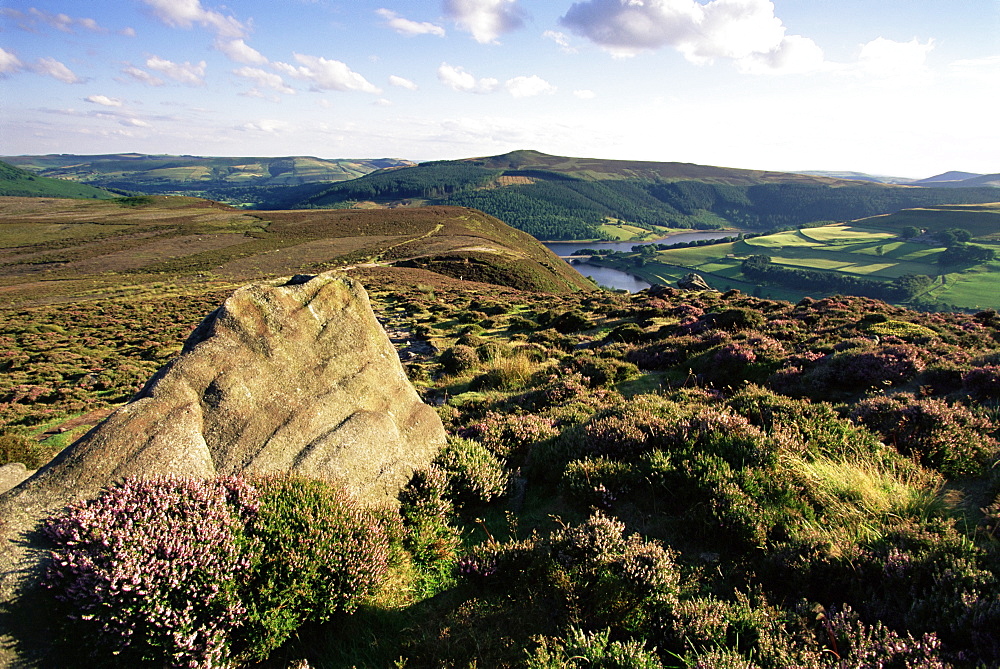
[885,57]
[63,22]
[408,27]
[186,73]
[746,31]
[383,102]
[142,76]
[402,83]
[127,32]
[458,79]
[53,68]
[9,63]
[264,79]
[239,51]
[795,55]
[104,100]
[266,125]
[134,122]
[585,94]
[562,39]
[327,75]
[485,20]
[526,87]
[186,13]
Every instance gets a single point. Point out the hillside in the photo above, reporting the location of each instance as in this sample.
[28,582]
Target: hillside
[235,179]
[668,479]
[554,197]
[941,257]
[54,248]
[21,183]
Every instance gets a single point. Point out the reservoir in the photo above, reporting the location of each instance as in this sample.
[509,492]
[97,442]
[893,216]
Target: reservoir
[613,278]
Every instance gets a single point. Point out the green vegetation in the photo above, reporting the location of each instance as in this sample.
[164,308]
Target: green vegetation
[242,180]
[883,257]
[553,197]
[15,182]
[668,479]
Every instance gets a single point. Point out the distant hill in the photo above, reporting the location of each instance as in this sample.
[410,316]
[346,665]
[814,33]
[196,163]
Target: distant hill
[961,180]
[858,176]
[557,197]
[230,179]
[947,177]
[17,182]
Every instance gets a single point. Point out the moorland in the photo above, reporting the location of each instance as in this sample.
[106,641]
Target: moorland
[665,479]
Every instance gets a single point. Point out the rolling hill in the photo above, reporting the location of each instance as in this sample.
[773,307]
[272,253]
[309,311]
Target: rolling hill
[17,182]
[555,197]
[52,249]
[237,180]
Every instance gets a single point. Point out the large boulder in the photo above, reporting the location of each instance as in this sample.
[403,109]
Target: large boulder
[298,378]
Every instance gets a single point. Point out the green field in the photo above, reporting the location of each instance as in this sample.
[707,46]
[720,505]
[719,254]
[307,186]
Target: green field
[869,249]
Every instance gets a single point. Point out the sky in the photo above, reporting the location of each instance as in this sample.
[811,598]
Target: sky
[907,88]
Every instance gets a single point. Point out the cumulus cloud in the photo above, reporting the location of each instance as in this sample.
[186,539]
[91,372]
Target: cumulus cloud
[883,56]
[408,27]
[795,55]
[585,94]
[485,20]
[326,74]
[402,83]
[142,76]
[104,100]
[185,73]
[740,30]
[526,87]
[53,68]
[458,79]
[187,13]
[9,63]
[264,79]
[134,122]
[239,51]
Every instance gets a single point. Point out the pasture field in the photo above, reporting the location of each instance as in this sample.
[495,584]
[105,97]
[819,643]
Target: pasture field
[862,249]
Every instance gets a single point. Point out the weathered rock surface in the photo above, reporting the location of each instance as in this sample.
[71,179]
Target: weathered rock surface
[693,281]
[298,378]
[12,474]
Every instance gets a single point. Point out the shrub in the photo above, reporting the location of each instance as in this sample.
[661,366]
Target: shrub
[983,382]
[183,572]
[596,482]
[570,321]
[475,475]
[589,573]
[22,448]
[315,552]
[593,650]
[508,435]
[603,371]
[947,437]
[151,570]
[459,358]
[427,512]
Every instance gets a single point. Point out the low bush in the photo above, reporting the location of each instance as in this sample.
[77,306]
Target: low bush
[594,650]
[459,358]
[475,475]
[194,573]
[950,438]
[22,448]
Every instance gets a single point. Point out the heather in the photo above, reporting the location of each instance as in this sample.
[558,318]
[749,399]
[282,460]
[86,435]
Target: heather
[192,573]
[666,479]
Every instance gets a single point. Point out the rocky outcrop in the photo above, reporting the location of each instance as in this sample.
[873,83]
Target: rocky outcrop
[297,378]
[693,281]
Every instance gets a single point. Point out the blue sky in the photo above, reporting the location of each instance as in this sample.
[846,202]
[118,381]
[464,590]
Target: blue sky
[890,87]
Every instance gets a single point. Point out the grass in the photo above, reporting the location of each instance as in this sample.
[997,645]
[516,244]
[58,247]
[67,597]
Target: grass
[859,249]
